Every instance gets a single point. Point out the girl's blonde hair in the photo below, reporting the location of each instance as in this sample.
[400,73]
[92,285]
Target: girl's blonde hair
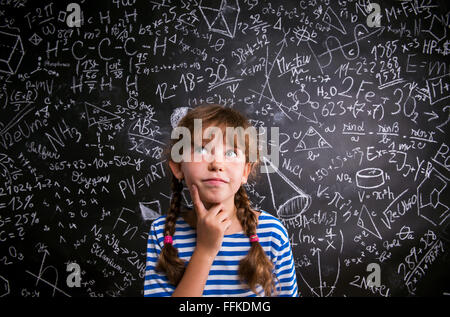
[255,268]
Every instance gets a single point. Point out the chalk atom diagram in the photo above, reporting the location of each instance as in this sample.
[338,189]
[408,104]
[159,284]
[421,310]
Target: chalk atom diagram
[221,19]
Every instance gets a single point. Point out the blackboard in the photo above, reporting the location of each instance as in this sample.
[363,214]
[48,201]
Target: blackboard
[91,90]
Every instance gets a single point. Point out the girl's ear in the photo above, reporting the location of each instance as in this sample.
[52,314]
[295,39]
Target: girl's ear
[176,169]
[247,170]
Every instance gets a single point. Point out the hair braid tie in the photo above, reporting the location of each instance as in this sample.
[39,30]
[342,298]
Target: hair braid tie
[169,261]
[168,240]
[255,268]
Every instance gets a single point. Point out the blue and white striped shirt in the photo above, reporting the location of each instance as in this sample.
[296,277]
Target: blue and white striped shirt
[223,279]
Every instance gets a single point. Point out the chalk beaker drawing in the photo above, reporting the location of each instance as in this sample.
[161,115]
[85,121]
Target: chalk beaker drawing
[293,207]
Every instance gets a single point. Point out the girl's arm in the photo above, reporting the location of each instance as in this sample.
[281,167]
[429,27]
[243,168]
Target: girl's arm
[211,226]
[194,279]
[285,270]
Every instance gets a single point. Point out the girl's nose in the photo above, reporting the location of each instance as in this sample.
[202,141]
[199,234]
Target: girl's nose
[215,166]
[217,161]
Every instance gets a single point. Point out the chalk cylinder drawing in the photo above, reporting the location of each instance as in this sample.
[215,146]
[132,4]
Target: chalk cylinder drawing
[370,178]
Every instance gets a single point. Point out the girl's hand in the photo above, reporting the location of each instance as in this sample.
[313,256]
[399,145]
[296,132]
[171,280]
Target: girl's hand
[211,224]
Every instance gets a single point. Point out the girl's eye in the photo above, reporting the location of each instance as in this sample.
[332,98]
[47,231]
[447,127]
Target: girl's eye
[201,148]
[229,153]
[233,152]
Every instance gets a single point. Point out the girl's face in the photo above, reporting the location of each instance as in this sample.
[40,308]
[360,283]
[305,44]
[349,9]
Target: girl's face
[219,160]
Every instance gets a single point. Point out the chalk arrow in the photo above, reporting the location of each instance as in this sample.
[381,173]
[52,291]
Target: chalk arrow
[320,193]
[433,115]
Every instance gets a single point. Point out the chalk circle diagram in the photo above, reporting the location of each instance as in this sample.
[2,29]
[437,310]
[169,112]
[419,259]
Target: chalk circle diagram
[370,178]
[222,16]
[300,96]
[293,207]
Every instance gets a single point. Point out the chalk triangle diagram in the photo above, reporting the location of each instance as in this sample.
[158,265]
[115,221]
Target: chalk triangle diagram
[96,115]
[366,222]
[294,206]
[222,19]
[213,19]
[312,140]
[333,20]
[150,210]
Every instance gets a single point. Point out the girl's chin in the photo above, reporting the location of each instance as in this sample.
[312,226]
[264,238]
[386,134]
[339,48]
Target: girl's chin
[212,202]
[212,199]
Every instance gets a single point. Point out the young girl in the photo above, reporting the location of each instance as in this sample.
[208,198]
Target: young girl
[221,246]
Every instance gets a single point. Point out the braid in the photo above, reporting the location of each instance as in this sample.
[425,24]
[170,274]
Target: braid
[247,218]
[175,203]
[168,261]
[256,267]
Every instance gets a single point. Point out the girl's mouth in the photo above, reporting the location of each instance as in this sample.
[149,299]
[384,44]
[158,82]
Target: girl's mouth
[214,181]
